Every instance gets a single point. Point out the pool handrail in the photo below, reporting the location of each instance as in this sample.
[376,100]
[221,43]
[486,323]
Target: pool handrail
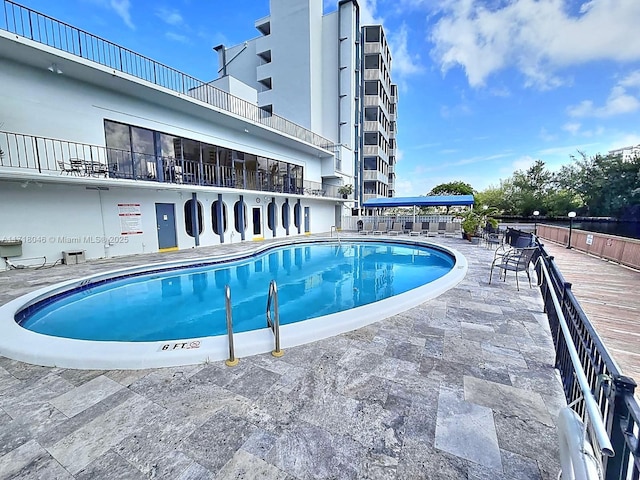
[274,324]
[232,361]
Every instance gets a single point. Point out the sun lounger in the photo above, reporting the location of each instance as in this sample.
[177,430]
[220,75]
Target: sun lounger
[396,229]
[366,228]
[416,230]
[382,228]
[432,231]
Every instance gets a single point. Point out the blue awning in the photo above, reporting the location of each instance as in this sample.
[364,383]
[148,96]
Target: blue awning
[428,201]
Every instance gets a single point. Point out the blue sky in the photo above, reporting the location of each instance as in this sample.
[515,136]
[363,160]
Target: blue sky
[486,86]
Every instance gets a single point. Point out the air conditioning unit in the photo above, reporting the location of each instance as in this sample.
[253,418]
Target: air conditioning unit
[72,257]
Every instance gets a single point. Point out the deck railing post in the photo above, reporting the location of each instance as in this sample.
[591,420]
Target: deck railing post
[617,421]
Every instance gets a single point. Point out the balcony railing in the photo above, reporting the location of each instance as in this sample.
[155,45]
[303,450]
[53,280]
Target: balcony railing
[60,157]
[43,29]
[613,392]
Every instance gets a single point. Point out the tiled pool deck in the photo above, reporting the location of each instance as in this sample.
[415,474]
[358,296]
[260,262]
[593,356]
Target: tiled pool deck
[462,386]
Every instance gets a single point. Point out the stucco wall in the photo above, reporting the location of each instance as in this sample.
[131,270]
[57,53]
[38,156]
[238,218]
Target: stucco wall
[50,218]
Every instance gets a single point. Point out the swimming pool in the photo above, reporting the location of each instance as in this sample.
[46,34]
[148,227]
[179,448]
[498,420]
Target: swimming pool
[174,313]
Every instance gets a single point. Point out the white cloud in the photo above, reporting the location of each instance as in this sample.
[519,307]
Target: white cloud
[177,37]
[572,127]
[538,37]
[522,163]
[619,102]
[546,136]
[402,62]
[169,16]
[368,13]
[122,8]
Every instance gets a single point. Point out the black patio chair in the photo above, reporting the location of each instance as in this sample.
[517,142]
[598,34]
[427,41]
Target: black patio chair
[514,261]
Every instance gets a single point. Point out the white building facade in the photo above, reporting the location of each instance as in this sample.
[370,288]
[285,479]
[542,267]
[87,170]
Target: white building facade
[106,152]
[627,153]
[328,74]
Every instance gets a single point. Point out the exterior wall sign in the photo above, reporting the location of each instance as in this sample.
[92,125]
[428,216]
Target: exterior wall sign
[130,218]
[589,239]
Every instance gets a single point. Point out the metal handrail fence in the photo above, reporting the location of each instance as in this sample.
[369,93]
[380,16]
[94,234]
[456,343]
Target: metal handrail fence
[41,28]
[55,157]
[613,392]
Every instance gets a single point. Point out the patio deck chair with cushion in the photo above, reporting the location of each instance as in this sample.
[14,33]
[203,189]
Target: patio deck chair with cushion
[396,228]
[450,229]
[432,231]
[416,230]
[366,228]
[382,228]
[514,261]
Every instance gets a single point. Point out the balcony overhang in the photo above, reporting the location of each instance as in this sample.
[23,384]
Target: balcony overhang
[24,51]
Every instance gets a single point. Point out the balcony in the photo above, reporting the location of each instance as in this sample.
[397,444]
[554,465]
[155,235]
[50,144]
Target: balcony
[40,28]
[66,159]
[263,25]
[374,175]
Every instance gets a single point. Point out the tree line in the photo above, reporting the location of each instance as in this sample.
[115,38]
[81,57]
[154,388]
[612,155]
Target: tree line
[597,186]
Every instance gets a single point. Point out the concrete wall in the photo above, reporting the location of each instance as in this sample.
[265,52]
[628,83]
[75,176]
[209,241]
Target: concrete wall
[50,218]
[36,102]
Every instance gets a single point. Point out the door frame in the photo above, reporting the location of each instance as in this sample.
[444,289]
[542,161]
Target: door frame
[172,227]
[260,211]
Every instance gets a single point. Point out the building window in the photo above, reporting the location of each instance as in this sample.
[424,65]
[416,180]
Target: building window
[371,138]
[188,217]
[371,88]
[272,216]
[285,216]
[214,217]
[237,208]
[372,61]
[372,34]
[371,114]
[370,163]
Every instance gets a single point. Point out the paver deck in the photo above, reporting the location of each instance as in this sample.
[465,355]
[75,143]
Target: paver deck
[460,387]
[608,294]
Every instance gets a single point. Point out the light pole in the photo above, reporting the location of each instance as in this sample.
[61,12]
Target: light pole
[571,217]
[535,222]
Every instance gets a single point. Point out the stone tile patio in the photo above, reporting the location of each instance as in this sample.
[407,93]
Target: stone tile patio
[460,387]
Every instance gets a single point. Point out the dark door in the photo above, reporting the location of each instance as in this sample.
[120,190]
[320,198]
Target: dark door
[307,229]
[166,220]
[257,222]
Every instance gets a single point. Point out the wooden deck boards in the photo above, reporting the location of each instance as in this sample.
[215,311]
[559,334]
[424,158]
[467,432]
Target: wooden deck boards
[610,296]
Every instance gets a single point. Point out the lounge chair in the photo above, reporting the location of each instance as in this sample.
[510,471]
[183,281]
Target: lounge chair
[408,226]
[432,231]
[396,229]
[416,230]
[367,228]
[382,228]
[450,230]
[515,261]
[442,228]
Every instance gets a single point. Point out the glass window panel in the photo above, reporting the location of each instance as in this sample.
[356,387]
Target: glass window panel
[371,114]
[371,88]
[372,61]
[118,141]
[370,138]
[370,163]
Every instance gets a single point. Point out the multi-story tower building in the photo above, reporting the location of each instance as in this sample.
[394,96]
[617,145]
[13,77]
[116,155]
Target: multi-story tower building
[379,125]
[329,75]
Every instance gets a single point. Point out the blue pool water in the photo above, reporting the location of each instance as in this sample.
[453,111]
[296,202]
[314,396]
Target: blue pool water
[313,280]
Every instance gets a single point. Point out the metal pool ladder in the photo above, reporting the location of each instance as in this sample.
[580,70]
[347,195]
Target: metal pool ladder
[274,324]
[232,361]
[333,227]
